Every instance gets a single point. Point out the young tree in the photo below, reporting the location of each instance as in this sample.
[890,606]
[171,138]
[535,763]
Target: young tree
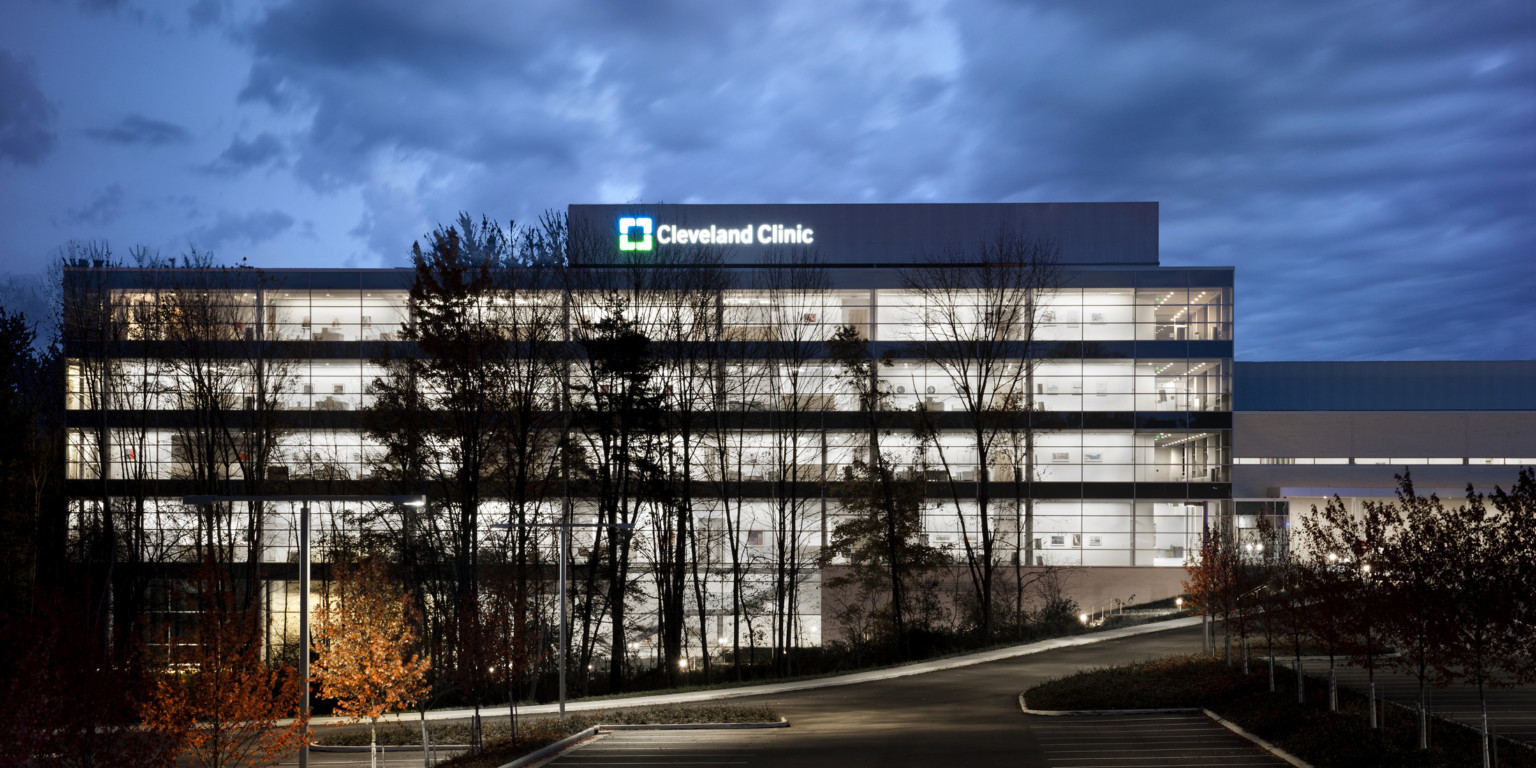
[1291,605]
[1257,588]
[1331,589]
[365,646]
[1415,590]
[1355,547]
[1517,515]
[1487,555]
[227,704]
[1213,582]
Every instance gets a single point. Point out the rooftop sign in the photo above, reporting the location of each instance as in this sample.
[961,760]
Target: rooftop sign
[862,234]
[635,234]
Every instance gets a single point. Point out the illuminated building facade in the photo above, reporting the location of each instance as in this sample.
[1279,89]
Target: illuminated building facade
[1122,382]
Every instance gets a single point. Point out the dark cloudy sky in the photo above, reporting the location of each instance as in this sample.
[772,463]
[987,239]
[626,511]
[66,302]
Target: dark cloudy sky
[1369,166]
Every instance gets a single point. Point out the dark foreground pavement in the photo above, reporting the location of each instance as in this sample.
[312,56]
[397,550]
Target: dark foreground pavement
[961,717]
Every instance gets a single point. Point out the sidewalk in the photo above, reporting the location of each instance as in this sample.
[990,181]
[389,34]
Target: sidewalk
[852,678]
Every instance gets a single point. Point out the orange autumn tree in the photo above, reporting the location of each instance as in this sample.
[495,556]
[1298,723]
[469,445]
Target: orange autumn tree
[365,640]
[224,703]
[1214,579]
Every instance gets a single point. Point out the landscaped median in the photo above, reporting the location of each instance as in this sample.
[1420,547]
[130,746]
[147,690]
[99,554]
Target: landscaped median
[1308,731]
[536,734]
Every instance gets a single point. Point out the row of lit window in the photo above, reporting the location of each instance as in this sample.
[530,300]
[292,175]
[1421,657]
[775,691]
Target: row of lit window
[1393,460]
[1107,385]
[1099,456]
[1085,532]
[892,315]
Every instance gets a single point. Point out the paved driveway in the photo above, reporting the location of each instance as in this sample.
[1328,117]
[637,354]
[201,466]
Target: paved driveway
[964,716]
[968,716]
[672,748]
[1143,741]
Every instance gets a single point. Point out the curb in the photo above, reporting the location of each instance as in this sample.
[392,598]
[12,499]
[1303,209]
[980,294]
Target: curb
[782,723]
[359,749]
[1069,712]
[1260,743]
[852,678]
[546,753]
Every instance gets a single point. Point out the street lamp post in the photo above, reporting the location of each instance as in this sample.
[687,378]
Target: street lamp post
[304,502]
[565,553]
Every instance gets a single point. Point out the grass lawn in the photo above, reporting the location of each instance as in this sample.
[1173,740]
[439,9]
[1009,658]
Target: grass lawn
[535,733]
[1309,731]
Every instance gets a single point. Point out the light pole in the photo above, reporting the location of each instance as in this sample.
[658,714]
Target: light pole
[304,502]
[565,553]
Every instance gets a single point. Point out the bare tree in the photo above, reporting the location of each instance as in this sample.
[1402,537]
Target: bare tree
[741,392]
[793,284]
[618,421]
[466,417]
[688,320]
[980,312]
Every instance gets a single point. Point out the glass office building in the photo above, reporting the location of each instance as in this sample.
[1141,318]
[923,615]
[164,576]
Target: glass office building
[1127,391]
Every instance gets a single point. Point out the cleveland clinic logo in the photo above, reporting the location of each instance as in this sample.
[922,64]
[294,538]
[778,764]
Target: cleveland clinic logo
[635,233]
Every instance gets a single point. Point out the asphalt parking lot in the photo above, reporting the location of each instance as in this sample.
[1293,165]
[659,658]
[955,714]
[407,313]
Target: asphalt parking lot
[1142,741]
[697,749]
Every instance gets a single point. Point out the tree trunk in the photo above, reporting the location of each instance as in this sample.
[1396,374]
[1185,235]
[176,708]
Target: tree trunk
[1423,716]
[1482,705]
[1333,687]
[426,754]
[1271,641]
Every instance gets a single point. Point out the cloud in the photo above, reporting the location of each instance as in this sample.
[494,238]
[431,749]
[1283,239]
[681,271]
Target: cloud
[26,115]
[137,130]
[120,8]
[1337,161]
[430,112]
[243,155]
[205,13]
[103,209]
[253,228]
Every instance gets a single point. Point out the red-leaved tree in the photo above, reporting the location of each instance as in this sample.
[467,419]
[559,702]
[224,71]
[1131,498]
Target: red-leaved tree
[224,700]
[365,640]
